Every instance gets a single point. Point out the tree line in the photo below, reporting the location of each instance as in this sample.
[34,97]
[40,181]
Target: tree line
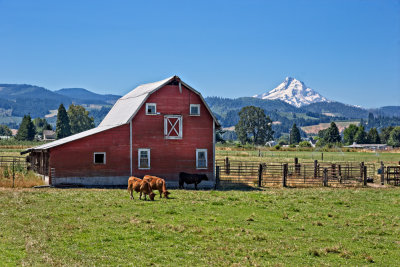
[255,127]
[70,122]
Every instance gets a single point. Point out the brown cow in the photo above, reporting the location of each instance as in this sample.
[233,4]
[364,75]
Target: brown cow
[134,185]
[145,188]
[157,183]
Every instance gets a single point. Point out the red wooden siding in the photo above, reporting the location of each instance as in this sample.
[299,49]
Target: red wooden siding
[168,156]
[75,159]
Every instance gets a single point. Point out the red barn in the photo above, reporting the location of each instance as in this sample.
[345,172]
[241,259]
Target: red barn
[159,128]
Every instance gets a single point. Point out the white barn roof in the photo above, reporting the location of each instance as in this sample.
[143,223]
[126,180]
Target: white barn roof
[122,112]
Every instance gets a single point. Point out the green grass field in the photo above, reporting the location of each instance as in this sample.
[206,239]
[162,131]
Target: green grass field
[280,227]
[311,155]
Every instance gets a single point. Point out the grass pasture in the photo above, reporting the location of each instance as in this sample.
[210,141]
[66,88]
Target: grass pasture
[281,227]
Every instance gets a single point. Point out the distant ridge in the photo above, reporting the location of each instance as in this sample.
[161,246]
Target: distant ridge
[293,92]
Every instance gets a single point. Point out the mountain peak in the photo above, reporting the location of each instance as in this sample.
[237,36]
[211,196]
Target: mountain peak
[294,92]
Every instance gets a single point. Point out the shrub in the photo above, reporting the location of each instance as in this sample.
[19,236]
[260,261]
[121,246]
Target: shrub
[304,144]
[277,147]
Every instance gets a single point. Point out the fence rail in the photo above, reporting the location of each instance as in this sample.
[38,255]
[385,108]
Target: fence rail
[246,173]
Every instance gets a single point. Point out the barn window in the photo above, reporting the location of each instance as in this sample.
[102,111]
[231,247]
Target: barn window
[151,108]
[144,158]
[195,109]
[201,158]
[99,157]
[173,127]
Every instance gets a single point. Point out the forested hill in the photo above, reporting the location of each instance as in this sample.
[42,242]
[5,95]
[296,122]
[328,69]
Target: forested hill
[338,109]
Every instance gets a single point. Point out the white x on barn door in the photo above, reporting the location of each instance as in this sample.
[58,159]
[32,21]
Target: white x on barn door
[173,126]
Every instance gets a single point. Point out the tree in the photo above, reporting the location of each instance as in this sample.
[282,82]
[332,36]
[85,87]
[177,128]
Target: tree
[394,139]
[254,126]
[361,136]
[349,133]
[79,119]
[373,136]
[26,130]
[41,124]
[332,135]
[5,131]
[63,129]
[294,137]
[385,134]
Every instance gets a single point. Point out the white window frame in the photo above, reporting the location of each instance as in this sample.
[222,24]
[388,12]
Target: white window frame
[155,108]
[190,109]
[197,158]
[148,158]
[166,133]
[99,153]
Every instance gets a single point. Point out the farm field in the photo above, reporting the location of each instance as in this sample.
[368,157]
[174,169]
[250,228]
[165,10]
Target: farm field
[306,156]
[282,227]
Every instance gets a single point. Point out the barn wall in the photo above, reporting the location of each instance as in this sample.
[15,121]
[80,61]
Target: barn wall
[74,160]
[169,157]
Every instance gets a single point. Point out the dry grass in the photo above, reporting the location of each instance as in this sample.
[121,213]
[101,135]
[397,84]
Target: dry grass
[23,178]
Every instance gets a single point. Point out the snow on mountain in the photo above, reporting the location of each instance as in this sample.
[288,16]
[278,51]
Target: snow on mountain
[294,92]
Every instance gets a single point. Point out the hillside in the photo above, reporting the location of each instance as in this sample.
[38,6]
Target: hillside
[81,95]
[17,100]
[338,109]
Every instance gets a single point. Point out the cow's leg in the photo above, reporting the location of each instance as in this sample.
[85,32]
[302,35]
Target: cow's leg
[131,194]
[160,193]
[140,197]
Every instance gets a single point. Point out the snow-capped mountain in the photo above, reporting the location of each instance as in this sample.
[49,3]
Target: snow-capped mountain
[294,92]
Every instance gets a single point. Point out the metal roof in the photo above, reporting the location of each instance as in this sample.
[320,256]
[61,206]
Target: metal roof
[123,111]
[127,106]
[69,138]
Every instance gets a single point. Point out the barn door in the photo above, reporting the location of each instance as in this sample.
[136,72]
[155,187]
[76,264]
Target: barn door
[173,127]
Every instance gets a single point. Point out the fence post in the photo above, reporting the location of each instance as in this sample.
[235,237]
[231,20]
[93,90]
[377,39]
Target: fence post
[285,173]
[13,172]
[217,179]
[322,156]
[340,173]
[315,168]
[365,175]
[325,177]
[297,166]
[227,166]
[362,170]
[260,171]
[382,173]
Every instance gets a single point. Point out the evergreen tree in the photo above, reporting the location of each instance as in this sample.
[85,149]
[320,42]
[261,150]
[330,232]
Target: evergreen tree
[294,137]
[63,129]
[332,135]
[385,134]
[349,133]
[5,131]
[394,139]
[79,119]
[26,130]
[254,126]
[373,136]
[361,136]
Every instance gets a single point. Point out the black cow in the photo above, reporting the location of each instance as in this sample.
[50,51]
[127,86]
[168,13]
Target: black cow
[190,178]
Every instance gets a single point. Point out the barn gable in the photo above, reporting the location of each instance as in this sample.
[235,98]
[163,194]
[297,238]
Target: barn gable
[127,106]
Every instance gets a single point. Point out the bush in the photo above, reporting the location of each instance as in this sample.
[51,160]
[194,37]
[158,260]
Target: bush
[292,146]
[277,147]
[282,143]
[304,144]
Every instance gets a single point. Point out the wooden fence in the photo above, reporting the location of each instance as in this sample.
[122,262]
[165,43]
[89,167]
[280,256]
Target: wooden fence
[246,173]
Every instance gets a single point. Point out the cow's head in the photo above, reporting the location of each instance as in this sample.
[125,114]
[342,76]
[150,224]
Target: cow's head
[152,195]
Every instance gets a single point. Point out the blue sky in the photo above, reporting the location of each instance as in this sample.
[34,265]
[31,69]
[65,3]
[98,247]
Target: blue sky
[347,50]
